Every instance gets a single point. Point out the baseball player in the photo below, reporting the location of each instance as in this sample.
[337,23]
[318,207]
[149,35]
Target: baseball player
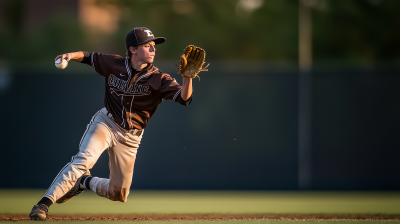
[134,88]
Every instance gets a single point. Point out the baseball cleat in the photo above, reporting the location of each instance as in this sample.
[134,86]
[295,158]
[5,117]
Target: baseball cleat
[75,190]
[39,212]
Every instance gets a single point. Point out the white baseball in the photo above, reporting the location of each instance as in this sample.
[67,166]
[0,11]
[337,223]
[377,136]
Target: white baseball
[61,65]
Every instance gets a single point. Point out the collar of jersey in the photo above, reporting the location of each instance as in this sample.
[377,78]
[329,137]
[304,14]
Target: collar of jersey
[145,75]
[128,65]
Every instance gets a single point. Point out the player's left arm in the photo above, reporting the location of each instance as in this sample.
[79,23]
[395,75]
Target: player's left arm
[187,88]
[171,90]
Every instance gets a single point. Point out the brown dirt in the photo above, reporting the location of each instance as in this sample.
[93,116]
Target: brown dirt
[144,217]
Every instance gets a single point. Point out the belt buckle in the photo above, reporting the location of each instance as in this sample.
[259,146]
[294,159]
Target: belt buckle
[109,115]
[133,131]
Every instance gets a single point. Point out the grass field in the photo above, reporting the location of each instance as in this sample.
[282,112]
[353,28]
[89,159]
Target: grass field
[217,202]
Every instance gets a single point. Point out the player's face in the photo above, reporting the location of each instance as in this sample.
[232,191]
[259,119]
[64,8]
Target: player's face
[146,52]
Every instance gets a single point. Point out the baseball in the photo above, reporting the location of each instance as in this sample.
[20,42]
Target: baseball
[61,65]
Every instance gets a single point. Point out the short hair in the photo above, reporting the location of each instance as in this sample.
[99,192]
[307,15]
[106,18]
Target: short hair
[129,53]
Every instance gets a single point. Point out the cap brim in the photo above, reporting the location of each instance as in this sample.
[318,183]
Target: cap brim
[157,40]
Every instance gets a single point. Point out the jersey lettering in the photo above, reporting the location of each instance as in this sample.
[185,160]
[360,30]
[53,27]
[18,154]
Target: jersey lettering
[139,90]
[117,86]
[116,82]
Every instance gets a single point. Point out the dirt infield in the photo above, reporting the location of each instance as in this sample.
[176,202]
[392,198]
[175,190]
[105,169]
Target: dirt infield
[143,217]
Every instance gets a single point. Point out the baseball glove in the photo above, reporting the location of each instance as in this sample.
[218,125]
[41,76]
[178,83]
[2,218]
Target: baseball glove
[192,61]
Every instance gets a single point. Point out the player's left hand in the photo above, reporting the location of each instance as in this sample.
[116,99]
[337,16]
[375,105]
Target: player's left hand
[192,61]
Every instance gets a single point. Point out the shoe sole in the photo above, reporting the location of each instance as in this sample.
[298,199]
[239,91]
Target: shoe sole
[38,218]
[64,199]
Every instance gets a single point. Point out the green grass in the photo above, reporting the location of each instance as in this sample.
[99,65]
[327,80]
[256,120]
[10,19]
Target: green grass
[212,202]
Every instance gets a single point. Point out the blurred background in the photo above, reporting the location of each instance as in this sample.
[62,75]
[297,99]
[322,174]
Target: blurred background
[301,95]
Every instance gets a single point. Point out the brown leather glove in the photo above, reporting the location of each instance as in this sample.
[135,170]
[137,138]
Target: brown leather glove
[192,61]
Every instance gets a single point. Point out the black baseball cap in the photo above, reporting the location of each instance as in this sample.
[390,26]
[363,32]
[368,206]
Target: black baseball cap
[141,35]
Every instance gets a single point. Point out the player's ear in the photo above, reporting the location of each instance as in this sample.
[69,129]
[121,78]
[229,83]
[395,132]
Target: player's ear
[132,50]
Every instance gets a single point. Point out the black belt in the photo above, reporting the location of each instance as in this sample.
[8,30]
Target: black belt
[133,131]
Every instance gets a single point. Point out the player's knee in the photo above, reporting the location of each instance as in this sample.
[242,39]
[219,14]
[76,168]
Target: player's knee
[123,199]
[120,194]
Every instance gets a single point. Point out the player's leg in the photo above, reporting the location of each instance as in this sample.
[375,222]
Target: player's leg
[95,140]
[122,160]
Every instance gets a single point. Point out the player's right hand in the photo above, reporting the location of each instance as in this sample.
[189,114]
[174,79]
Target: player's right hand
[66,56]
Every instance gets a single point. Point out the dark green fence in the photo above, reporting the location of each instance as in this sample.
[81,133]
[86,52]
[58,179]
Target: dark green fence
[240,132]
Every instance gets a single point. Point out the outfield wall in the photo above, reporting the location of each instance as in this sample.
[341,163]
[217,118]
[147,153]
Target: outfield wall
[240,132]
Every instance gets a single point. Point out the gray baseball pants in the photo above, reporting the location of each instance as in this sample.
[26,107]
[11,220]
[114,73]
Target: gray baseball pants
[102,133]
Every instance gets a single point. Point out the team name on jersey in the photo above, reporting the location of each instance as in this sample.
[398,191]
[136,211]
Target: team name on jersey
[119,84]
[119,87]
[135,88]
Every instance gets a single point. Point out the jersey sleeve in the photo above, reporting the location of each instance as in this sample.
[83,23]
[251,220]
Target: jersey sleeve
[86,58]
[171,90]
[102,63]
[181,101]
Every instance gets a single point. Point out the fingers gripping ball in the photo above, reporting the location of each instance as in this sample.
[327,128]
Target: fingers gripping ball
[192,61]
[61,65]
